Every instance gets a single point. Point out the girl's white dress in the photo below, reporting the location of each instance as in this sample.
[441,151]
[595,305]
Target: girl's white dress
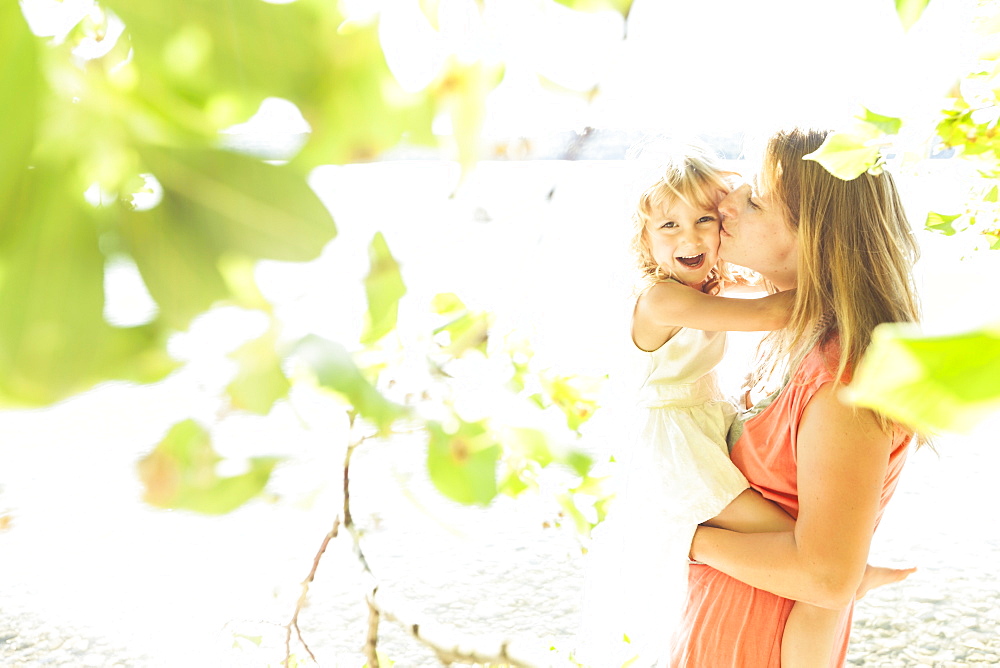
[677,474]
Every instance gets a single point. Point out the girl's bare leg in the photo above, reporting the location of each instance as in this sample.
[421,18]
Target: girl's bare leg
[752,513]
[876,576]
[810,632]
[809,636]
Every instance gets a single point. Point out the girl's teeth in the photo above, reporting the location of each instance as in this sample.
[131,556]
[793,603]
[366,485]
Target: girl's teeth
[692,260]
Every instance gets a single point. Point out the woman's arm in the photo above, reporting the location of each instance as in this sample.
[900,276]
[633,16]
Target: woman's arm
[671,304]
[843,457]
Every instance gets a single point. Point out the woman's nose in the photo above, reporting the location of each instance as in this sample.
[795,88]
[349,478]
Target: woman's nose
[727,207]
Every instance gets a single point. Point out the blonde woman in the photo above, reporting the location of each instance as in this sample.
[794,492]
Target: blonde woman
[847,250]
[678,469]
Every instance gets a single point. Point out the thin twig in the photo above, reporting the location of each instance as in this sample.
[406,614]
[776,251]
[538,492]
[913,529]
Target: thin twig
[371,642]
[303,596]
[448,646]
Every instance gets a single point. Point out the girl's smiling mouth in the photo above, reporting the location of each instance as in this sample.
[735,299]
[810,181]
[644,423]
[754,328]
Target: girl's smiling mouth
[692,261]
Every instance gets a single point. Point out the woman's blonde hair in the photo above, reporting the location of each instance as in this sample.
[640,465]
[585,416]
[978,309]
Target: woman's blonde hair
[690,174]
[856,252]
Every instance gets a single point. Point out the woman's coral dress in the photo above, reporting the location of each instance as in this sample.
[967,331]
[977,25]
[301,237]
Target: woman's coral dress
[729,624]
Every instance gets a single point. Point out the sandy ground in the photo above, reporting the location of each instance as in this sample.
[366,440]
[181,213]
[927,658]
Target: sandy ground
[88,584]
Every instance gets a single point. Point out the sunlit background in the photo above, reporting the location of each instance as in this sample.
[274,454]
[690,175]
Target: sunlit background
[539,240]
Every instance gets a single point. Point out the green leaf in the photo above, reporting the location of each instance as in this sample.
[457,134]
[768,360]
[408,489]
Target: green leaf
[976,145]
[209,65]
[513,484]
[177,259]
[21,84]
[243,204]
[575,396]
[462,463]
[955,127]
[461,90]
[621,6]
[260,381]
[469,331]
[335,369]
[384,288]
[932,383]
[531,444]
[52,328]
[591,486]
[845,155]
[580,462]
[430,9]
[447,302]
[889,125]
[909,11]
[941,223]
[358,109]
[256,640]
[991,195]
[568,503]
[137,354]
[180,473]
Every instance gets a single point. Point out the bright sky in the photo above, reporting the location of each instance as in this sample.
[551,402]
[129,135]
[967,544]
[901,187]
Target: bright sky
[714,66]
[730,65]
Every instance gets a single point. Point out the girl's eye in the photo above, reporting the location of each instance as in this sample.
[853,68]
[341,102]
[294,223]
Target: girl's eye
[668,224]
[706,219]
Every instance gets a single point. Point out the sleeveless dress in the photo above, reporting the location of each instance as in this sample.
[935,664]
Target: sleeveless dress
[677,473]
[727,623]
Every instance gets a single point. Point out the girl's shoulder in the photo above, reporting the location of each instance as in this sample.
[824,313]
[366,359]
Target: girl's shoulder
[659,299]
[653,320]
[663,288]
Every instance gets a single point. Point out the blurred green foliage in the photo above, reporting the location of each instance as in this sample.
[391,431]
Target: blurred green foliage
[931,383]
[115,150]
[935,383]
[909,11]
[181,473]
[966,125]
[621,6]
[118,150]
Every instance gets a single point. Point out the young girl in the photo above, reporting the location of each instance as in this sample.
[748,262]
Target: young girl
[678,472]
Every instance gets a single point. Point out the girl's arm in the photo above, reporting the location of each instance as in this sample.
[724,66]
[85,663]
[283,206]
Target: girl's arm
[670,304]
[843,456]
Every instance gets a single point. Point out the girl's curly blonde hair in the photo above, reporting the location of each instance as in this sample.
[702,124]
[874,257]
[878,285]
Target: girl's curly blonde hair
[692,175]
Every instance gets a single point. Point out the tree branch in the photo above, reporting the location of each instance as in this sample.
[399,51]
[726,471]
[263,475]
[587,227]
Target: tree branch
[449,646]
[371,641]
[452,647]
[304,595]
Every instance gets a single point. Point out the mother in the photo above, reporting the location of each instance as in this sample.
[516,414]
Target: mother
[848,250]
